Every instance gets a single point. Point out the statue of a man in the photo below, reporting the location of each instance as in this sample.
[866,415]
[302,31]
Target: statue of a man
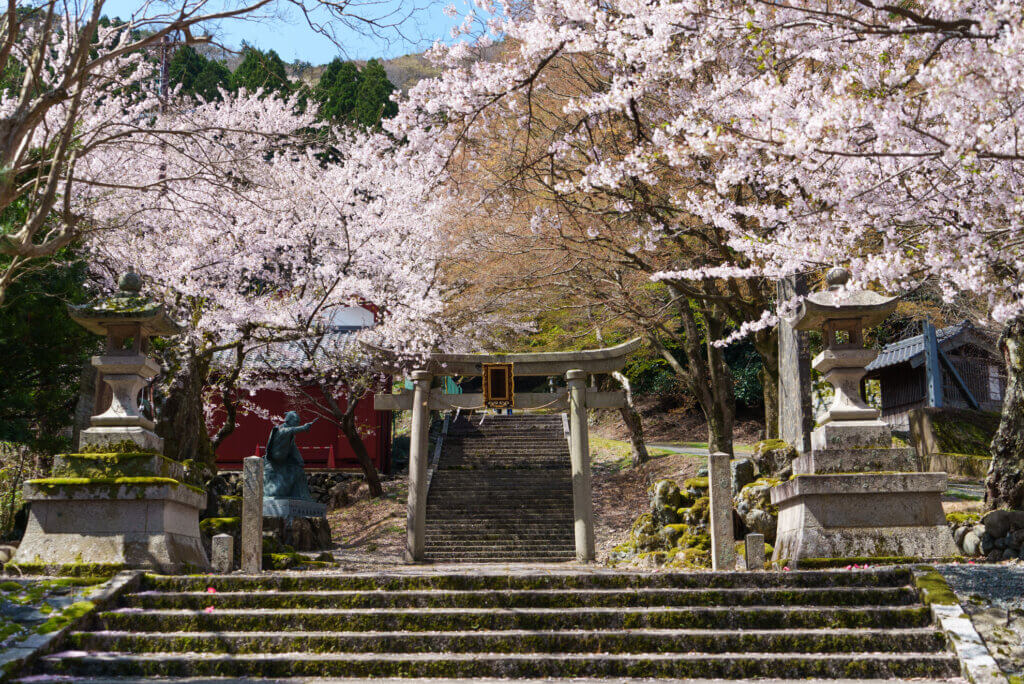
[283,473]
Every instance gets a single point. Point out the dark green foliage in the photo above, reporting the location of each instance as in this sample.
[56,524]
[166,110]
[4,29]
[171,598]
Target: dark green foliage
[348,95]
[336,92]
[745,364]
[261,69]
[197,75]
[42,352]
[373,101]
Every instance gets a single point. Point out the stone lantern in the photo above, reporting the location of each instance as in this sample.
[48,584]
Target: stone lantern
[127,321]
[853,495]
[120,503]
[849,422]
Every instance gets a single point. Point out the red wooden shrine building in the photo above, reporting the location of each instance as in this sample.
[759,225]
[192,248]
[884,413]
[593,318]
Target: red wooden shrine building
[325,446]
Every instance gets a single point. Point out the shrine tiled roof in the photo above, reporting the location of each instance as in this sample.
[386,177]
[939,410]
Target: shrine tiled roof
[907,350]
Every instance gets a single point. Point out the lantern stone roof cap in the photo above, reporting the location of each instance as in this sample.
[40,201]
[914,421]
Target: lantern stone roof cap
[834,304]
[127,307]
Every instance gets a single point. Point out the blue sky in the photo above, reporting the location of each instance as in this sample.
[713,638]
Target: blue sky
[292,38]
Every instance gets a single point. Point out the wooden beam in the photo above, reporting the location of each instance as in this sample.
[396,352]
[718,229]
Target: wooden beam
[971,401]
[932,372]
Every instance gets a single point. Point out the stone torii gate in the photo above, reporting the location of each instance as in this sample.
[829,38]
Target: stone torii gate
[575,366]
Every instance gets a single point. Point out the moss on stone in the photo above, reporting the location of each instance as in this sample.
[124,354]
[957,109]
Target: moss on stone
[66,617]
[818,563]
[963,518]
[770,445]
[934,588]
[112,465]
[965,432]
[212,526]
[113,484]
[696,483]
[126,446]
[93,573]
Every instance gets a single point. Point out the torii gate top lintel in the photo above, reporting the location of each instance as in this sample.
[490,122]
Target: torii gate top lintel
[591,361]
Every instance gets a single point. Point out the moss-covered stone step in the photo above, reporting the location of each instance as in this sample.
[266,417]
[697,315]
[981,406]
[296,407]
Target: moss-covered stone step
[532,598]
[498,557]
[529,580]
[677,666]
[518,641]
[447,619]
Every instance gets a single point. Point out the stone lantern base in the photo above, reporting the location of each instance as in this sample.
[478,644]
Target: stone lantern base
[849,503]
[131,510]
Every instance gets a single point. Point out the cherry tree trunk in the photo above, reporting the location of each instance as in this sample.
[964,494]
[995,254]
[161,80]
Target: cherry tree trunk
[633,422]
[355,440]
[182,421]
[1005,484]
[767,344]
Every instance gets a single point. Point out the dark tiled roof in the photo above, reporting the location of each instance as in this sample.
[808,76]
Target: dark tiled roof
[911,347]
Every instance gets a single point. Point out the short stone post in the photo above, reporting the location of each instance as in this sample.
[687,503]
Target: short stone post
[223,547]
[754,551]
[252,515]
[579,454]
[418,446]
[723,553]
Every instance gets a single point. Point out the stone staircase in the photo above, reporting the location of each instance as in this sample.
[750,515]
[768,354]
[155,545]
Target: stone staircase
[501,492]
[516,623]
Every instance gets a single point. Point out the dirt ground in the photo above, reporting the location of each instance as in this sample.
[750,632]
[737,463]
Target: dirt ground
[666,424]
[370,533]
[620,491]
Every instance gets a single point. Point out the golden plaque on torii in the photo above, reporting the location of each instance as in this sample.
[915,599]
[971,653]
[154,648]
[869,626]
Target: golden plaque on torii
[499,386]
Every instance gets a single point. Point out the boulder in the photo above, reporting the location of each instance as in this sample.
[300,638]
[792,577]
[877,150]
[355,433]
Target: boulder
[1000,522]
[754,507]
[774,458]
[958,536]
[972,544]
[743,473]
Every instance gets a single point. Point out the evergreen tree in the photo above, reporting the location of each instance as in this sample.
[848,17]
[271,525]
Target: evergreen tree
[211,80]
[261,69]
[198,75]
[373,96]
[41,354]
[336,92]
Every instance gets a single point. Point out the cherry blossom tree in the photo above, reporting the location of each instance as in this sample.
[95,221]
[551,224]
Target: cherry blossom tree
[74,87]
[880,136]
[255,240]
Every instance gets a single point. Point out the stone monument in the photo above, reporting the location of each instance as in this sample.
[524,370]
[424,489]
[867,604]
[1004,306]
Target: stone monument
[289,510]
[853,495]
[120,502]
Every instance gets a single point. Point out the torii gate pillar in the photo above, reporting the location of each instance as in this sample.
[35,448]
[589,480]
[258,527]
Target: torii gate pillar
[579,456]
[419,444]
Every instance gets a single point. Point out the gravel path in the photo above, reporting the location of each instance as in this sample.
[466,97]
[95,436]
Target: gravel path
[1001,585]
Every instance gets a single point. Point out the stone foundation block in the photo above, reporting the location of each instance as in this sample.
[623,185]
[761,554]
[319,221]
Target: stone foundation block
[149,526]
[824,461]
[147,440]
[868,515]
[852,434]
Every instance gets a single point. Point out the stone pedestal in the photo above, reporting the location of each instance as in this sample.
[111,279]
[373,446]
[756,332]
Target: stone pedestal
[861,503]
[862,515]
[293,508]
[299,523]
[144,521]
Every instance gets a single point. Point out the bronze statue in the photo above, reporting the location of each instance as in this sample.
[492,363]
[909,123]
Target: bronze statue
[283,473]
